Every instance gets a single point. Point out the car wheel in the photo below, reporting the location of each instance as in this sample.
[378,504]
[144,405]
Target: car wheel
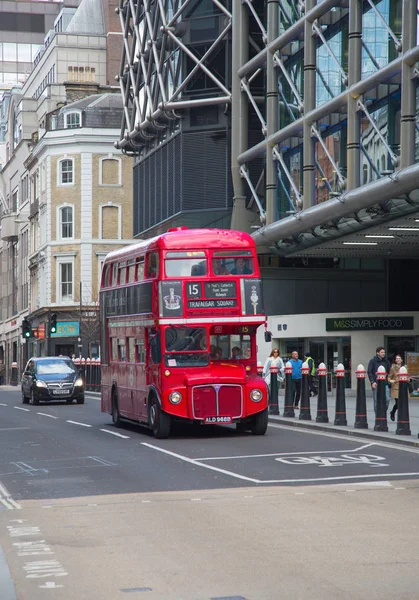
[34,399]
[25,400]
[159,421]
[260,423]
[116,417]
[80,400]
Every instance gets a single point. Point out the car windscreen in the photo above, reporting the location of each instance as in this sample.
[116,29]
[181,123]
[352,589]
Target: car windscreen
[52,367]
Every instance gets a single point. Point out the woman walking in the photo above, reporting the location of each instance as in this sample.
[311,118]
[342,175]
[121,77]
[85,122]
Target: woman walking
[393,379]
[273,360]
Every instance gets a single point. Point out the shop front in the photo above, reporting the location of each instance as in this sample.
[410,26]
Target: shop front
[346,338]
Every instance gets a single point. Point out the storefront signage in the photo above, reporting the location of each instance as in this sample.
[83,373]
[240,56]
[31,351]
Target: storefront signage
[369,323]
[67,329]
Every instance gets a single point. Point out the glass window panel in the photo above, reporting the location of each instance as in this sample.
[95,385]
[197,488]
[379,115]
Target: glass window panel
[9,52]
[24,53]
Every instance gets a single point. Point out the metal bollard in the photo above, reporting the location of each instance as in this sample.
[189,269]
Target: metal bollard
[260,369]
[340,406]
[322,416]
[305,414]
[289,392]
[273,400]
[403,423]
[381,411]
[361,402]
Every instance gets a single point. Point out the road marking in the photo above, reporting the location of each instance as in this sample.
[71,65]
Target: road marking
[199,464]
[77,423]
[281,454]
[312,479]
[7,500]
[50,585]
[20,408]
[332,461]
[125,437]
[47,415]
[2,404]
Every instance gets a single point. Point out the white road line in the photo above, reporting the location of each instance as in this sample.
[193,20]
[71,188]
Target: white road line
[125,437]
[2,404]
[77,423]
[6,504]
[46,415]
[6,498]
[283,454]
[376,442]
[199,464]
[336,478]
[20,408]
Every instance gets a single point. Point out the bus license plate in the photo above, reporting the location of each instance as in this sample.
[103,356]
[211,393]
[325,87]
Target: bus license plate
[217,420]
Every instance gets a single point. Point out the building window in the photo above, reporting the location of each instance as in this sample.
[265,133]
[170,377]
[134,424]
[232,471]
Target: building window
[66,226]
[110,171]
[110,222]
[66,281]
[66,171]
[72,120]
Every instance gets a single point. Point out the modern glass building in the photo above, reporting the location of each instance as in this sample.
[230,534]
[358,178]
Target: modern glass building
[311,108]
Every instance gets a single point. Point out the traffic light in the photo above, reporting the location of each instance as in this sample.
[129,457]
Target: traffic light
[53,323]
[26,328]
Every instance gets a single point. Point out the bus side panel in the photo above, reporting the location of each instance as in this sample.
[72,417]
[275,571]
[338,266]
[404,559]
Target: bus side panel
[106,399]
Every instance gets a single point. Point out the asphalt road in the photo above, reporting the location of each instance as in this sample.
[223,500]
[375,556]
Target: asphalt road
[89,511]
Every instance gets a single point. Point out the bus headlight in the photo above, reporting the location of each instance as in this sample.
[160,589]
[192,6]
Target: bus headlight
[256,395]
[175,397]
[78,382]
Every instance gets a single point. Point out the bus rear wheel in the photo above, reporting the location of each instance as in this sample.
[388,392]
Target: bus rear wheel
[116,417]
[260,423]
[159,421]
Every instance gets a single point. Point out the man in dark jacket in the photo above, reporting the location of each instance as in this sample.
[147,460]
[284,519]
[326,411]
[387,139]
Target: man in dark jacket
[379,360]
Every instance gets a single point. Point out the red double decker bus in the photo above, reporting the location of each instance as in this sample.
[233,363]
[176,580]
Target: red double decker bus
[179,315]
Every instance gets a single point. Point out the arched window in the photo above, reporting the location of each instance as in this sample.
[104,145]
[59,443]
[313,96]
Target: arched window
[66,171]
[110,170]
[72,120]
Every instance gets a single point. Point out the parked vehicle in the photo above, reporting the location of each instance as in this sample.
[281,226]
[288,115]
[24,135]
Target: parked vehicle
[52,378]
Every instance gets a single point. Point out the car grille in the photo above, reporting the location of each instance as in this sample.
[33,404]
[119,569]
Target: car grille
[60,386]
[217,400]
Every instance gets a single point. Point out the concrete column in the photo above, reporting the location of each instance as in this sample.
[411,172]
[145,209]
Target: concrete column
[239,113]
[272,108]
[353,157]
[309,169]
[408,100]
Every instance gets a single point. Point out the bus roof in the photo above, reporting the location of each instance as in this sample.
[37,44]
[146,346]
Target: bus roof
[187,239]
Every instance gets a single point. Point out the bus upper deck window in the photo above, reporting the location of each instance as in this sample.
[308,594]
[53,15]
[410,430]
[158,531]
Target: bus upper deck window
[233,263]
[152,265]
[107,276]
[185,264]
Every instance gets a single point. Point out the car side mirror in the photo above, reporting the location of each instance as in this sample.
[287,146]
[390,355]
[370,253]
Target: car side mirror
[268,336]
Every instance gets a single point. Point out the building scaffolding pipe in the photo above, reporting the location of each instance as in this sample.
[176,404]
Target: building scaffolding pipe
[277,60]
[200,102]
[256,17]
[354,74]
[309,169]
[244,173]
[288,36]
[408,93]
[272,120]
[396,41]
[245,88]
[394,185]
[393,157]
[334,105]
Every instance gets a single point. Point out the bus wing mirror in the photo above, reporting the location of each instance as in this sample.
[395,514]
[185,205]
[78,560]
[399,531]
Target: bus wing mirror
[268,336]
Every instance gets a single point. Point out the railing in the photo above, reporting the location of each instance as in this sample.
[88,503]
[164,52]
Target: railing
[90,370]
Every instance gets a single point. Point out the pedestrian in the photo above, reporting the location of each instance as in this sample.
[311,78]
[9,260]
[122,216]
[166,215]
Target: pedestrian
[273,360]
[296,376]
[241,267]
[393,380]
[2,372]
[379,360]
[311,374]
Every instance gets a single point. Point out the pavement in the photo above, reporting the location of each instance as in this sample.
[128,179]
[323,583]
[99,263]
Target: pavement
[390,436]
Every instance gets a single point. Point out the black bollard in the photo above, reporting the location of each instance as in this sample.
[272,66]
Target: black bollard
[361,402]
[322,416]
[13,374]
[289,392]
[340,406]
[273,400]
[381,409]
[305,414]
[403,423]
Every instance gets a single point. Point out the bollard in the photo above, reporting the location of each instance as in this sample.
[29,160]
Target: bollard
[361,402]
[403,423]
[322,416]
[260,369]
[340,407]
[289,392]
[13,374]
[305,414]
[381,412]
[273,400]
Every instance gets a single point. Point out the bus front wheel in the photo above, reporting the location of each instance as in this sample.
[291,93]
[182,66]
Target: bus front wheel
[260,423]
[159,421]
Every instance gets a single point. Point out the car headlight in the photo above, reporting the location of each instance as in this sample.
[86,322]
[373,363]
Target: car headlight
[175,397]
[256,395]
[78,382]
[40,383]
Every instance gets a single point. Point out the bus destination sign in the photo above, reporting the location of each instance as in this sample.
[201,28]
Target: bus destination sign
[220,289]
[227,303]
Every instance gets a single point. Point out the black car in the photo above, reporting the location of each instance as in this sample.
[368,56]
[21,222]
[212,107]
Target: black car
[51,378]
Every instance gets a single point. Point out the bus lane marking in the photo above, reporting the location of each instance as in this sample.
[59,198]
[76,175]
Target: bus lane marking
[77,423]
[20,408]
[334,461]
[46,415]
[283,454]
[125,437]
[7,500]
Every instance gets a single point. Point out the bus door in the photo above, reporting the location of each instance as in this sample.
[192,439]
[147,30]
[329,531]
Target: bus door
[153,359]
